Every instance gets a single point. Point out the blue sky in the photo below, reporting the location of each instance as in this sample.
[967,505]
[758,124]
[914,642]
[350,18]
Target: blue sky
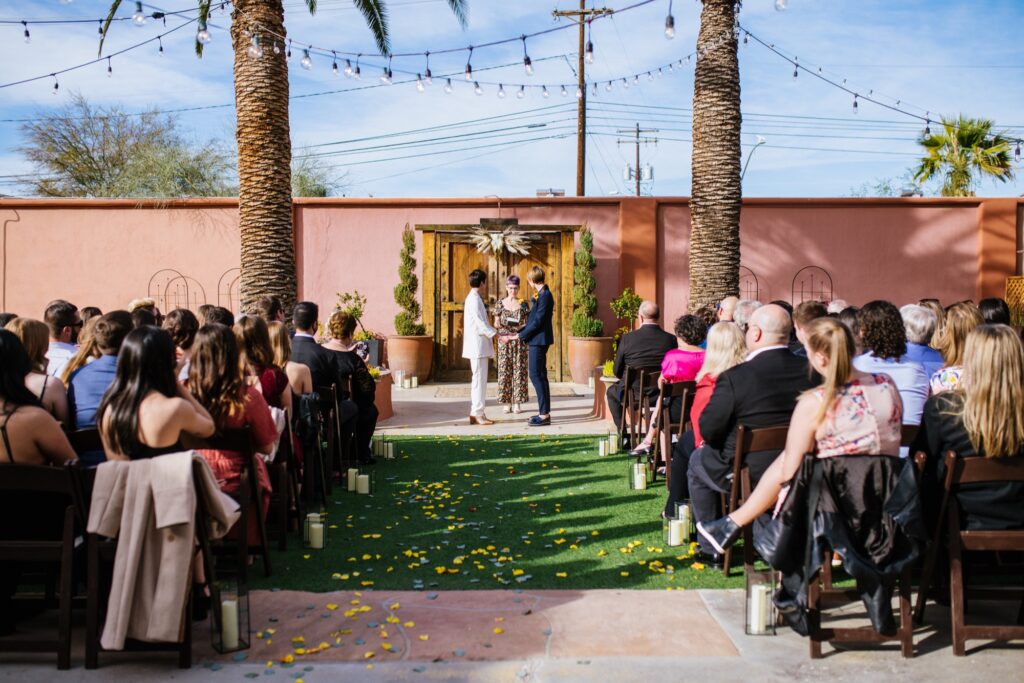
[936,56]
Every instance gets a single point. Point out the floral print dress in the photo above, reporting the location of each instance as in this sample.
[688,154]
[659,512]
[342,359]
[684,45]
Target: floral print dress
[513,356]
[865,419]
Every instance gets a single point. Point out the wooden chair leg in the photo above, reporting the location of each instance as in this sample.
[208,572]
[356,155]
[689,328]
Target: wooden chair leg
[906,623]
[926,581]
[261,526]
[185,647]
[956,599]
[66,567]
[92,603]
[284,497]
[814,617]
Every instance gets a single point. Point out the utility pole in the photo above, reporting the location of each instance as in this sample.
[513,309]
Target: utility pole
[582,17]
[637,140]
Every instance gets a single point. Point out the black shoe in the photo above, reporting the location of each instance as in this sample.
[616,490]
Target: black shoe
[720,533]
[200,603]
[711,560]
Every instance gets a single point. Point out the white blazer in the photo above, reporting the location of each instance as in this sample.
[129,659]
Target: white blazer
[477,333]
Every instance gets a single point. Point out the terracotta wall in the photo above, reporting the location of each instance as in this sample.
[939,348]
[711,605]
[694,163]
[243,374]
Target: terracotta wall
[105,252]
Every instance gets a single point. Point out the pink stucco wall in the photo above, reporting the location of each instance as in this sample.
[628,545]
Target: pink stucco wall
[105,252]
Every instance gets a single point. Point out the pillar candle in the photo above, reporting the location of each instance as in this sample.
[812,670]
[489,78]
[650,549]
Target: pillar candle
[639,476]
[407,384]
[229,624]
[415,381]
[602,448]
[316,535]
[350,479]
[613,444]
[389,453]
[756,606]
[363,483]
[590,381]
[675,532]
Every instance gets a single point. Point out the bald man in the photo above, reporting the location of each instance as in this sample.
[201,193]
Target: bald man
[644,347]
[726,307]
[760,392]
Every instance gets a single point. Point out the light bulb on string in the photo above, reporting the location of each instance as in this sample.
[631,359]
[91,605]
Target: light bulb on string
[527,62]
[203,34]
[927,125]
[670,68]
[746,39]
[288,52]
[544,92]
[661,74]
[670,23]
[306,62]
[347,70]
[56,87]
[419,84]
[160,46]
[110,68]
[334,62]
[255,51]
[99,29]
[594,90]
[625,84]
[501,91]
[357,73]
[1016,150]
[448,86]
[428,77]
[796,70]
[781,5]
[855,106]
[138,16]
[588,54]
[579,93]
[521,93]
[386,77]
[650,76]
[608,86]
[277,48]
[565,93]
[477,89]
[28,36]
[636,79]
[469,65]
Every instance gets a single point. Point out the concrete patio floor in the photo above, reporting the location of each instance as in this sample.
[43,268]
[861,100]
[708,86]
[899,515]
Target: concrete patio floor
[564,635]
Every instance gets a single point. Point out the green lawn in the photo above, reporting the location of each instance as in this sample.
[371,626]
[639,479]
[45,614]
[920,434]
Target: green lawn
[474,513]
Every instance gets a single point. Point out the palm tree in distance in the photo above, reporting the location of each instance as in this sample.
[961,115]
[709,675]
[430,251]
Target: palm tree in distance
[962,153]
[715,196]
[264,138]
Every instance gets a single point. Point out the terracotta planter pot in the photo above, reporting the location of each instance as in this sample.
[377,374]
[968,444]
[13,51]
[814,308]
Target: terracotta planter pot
[585,353]
[413,355]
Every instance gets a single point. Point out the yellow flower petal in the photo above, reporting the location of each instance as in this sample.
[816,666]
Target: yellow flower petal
[331,606]
[424,637]
[561,575]
[498,630]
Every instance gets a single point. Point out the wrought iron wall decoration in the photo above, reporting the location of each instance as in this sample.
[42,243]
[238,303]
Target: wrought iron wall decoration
[811,283]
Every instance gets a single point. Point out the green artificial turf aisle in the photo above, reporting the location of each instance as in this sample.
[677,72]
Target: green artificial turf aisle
[483,513]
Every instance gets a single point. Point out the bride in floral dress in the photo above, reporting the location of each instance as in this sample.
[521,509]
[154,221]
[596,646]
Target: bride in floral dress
[513,359]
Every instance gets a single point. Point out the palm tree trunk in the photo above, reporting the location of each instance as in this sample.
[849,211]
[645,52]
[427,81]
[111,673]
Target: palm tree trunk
[264,156]
[716,195]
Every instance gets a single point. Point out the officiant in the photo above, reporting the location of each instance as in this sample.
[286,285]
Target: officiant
[513,357]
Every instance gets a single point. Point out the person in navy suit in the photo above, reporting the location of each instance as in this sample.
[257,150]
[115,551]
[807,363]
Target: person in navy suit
[538,336]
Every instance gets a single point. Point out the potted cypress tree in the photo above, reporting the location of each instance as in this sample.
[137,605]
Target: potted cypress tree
[409,349]
[587,347]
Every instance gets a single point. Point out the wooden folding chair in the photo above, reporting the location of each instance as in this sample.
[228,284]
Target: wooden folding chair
[961,471]
[39,523]
[83,440]
[748,440]
[331,419]
[636,406]
[284,495]
[682,392]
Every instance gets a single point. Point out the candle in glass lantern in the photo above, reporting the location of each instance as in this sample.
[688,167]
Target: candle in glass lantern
[229,624]
[350,478]
[316,535]
[407,384]
[602,448]
[639,476]
[389,452]
[613,443]
[415,381]
[363,483]
[675,532]
[760,594]
[590,381]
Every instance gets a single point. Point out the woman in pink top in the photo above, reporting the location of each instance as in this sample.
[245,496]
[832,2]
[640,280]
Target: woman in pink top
[851,413]
[678,365]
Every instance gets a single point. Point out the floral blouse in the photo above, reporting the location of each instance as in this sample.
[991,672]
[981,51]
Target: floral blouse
[865,419]
[946,379]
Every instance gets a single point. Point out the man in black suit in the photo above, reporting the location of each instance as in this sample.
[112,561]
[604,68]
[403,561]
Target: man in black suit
[538,335]
[761,392]
[643,347]
[326,370]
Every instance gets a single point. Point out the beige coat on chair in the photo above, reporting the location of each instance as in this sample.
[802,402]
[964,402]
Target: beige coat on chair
[150,507]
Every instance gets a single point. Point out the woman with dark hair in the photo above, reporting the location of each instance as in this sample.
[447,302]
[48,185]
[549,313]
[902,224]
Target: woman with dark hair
[994,311]
[182,324]
[215,381]
[341,327]
[28,433]
[35,339]
[513,360]
[884,342]
[89,312]
[258,355]
[145,411]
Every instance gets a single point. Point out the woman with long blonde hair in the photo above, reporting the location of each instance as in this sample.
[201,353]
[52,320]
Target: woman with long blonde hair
[951,341]
[984,417]
[850,413]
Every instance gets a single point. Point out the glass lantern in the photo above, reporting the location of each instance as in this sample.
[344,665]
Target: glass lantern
[760,608]
[366,481]
[673,532]
[314,531]
[603,448]
[637,476]
[613,443]
[684,513]
[229,616]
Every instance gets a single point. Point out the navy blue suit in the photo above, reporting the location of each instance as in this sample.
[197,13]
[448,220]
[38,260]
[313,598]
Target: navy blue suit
[538,335]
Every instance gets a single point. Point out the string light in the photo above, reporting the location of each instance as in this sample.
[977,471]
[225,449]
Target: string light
[579,93]
[99,29]
[357,73]
[448,86]
[1016,151]
[334,63]
[565,93]
[427,76]
[521,93]
[477,89]
[348,68]
[288,52]
[56,87]
[527,62]
[203,35]
[608,86]
[28,36]
[544,92]
[254,50]
[588,53]
[855,108]
[625,84]
[501,91]
[796,70]
[636,79]
[781,5]
[110,68]
[419,84]
[306,63]
[386,77]
[469,64]
[670,23]
[277,48]
[160,44]
[139,17]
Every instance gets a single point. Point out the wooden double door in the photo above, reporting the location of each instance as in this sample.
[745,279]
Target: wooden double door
[446,284]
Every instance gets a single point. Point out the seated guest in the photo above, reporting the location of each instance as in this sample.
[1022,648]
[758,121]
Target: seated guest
[299,377]
[6,318]
[341,327]
[803,315]
[744,309]
[182,325]
[679,365]
[28,433]
[65,323]
[726,307]
[88,384]
[89,312]
[258,357]
[760,392]
[726,348]
[885,344]
[202,312]
[919,323]
[221,316]
[644,347]
[851,413]
[984,417]
[215,380]
[848,317]
[87,351]
[935,307]
[994,311]
[142,317]
[836,306]
[48,390]
[149,306]
[145,411]
[961,318]
[270,309]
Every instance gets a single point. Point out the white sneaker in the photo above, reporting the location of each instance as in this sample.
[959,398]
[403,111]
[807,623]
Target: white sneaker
[508,409]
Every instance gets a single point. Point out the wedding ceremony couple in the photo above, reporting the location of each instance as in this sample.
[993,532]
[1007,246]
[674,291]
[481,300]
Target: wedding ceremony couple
[524,335]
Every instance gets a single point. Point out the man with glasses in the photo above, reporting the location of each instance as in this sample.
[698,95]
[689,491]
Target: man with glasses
[65,323]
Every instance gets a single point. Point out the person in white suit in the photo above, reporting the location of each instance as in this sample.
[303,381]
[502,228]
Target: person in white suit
[477,345]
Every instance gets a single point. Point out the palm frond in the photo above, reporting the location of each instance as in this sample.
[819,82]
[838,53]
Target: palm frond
[311,4]
[460,8]
[376,15]
[106,24]
[204,14]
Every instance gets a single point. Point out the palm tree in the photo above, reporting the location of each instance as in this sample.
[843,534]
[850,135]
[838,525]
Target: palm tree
[264,138]
[716,196]
[965,149]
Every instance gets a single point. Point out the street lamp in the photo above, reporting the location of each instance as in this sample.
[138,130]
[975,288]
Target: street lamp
[760,141]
